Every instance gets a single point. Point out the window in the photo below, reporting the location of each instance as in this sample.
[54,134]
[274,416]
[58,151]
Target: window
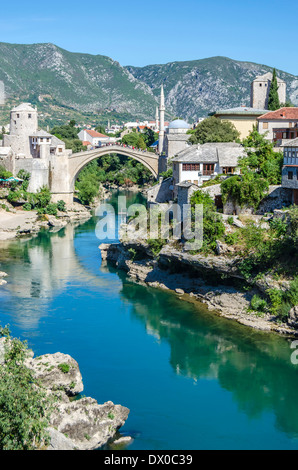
[290,175]
[191,167]
[228,170]
[208,169]
[60,149]
[29,116]
[18,116]
[265,125]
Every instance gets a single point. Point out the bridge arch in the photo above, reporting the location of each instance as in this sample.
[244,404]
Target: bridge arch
[78,161]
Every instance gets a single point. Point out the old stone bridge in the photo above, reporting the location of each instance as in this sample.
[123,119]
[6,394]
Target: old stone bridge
[64,170]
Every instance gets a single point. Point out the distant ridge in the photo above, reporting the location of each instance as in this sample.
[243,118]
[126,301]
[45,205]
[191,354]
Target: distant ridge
[61,82]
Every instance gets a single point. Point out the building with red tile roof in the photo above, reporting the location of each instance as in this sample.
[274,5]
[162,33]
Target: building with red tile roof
[279,125]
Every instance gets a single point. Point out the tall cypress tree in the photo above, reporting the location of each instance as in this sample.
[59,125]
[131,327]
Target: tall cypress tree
[273,99]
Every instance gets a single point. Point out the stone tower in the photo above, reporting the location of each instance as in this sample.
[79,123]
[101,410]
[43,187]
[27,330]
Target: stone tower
[23,124]
[161,121]
[260,88]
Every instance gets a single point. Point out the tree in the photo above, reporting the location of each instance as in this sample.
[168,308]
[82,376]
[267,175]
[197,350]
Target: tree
[68,133]
[24,406]
[273,99]
[213,129]
[262,158]
[246,190]
[135,139]
[213,227]
[88,190]
[149,137]
[101,128]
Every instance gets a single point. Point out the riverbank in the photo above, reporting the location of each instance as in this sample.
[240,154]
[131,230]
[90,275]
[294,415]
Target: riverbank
[211,280]
[80,424]
[19,222]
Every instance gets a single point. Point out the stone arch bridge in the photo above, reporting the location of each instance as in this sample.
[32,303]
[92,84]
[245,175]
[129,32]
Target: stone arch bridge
[64,170]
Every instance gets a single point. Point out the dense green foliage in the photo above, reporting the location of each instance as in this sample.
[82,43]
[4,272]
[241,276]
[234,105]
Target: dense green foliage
[248,189]
[213,228]
[273,98]
[24,407]
[262,158]
[275,250]
[113,169]
[213,129]
[68,133]
[259,168]
[4,174]
[40,201]
[135,139]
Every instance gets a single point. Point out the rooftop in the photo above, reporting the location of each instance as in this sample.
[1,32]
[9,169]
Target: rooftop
[280,114]
[267,76]
[24,107]
[179,124]
[226,154]
[94,133]
[241,110]
[40,133]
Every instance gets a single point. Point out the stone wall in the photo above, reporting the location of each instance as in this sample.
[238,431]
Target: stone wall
[160,193]
[277,198]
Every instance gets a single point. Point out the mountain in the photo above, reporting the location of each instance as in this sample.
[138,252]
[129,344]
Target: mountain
[196,88]
[94,88]
[49,75]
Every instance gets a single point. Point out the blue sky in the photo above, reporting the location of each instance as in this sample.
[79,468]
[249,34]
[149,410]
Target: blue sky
[155,31]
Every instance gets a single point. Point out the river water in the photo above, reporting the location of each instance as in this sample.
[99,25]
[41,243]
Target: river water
[192,380]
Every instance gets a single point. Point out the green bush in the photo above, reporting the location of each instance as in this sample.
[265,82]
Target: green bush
[4,174]
[25,408]
[65,368]
[279,226]
[51,209]
[27,206]
[42,197]
[232,238]
[213,227]
[245,190]
[257,304]
[156,246]
[61,206]
[25,176]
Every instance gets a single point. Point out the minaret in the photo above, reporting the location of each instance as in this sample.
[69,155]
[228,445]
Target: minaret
[161,120]
[156,120]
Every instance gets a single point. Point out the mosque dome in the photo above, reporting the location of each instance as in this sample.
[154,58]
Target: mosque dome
[179,124]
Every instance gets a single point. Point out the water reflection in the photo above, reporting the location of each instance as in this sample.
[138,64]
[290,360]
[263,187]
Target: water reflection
[254,366]
[40,269]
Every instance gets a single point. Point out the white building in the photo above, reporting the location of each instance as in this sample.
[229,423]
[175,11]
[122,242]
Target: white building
[200,163]
[95,139]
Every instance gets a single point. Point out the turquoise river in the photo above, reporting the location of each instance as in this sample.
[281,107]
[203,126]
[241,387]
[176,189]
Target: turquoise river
[191,379]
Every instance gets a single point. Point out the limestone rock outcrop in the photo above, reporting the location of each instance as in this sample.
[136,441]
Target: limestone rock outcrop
[57,372]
